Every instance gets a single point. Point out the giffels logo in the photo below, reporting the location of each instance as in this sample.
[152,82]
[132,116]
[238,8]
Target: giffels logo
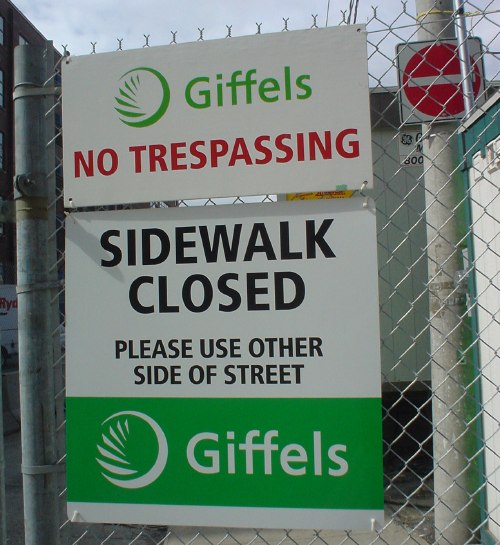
[143,97]
[132,452]
[144,94]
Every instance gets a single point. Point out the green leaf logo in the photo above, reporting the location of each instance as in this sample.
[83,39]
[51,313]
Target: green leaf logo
[133,450]
[143,97]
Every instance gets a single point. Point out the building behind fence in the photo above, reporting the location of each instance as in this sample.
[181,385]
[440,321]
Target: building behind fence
[402,158]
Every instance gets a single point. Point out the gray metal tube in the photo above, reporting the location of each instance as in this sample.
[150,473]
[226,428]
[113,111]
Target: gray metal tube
[453,519]
[39,455]
[464,56]
[58,356]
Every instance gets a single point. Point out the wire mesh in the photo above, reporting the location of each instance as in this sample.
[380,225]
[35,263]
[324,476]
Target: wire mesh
[411,389]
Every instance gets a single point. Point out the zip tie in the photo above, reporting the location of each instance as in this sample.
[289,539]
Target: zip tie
[69,216]
[76,517]
[41,470]
[366,202]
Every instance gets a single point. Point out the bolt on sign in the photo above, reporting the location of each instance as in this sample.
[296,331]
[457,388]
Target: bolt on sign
[430,80]
[253,115]
[223,366]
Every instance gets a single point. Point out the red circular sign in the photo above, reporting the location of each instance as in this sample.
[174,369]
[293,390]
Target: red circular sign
[432,81]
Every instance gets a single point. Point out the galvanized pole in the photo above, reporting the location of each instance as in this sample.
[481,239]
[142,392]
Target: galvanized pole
[58,355]
[464,57]
[452,500]
[39,455]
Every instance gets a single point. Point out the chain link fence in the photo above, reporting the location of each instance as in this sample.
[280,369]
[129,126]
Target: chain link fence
[418,322]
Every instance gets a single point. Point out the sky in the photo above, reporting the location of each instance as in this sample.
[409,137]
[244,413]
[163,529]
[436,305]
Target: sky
[77,23]
[84,26]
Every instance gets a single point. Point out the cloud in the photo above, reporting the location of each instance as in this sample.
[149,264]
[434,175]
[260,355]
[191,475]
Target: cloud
[81,23]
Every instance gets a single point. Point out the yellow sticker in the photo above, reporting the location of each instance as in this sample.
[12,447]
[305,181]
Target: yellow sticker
[319,195]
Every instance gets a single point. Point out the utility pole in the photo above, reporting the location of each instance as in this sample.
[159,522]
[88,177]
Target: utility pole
[452,499]
[39,453]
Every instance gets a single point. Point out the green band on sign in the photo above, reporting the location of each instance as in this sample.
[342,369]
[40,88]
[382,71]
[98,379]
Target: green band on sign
[303,453]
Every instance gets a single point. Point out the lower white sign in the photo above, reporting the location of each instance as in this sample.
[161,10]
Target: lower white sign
[223,366]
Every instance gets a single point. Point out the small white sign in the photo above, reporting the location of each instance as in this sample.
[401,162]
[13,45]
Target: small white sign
[410,148]
[264,114]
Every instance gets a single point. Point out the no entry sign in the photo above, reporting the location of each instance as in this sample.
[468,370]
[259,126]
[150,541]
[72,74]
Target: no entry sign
[430,80]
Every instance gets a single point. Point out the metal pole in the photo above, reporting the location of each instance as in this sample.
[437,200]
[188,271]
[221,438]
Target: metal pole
[58,356]
[464,57]
[39,455]
[452,501]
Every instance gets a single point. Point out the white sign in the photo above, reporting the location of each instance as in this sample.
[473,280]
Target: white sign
[274,113]
[410,148]
[237,350]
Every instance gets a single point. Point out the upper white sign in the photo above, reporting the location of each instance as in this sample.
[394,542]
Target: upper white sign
[262,114]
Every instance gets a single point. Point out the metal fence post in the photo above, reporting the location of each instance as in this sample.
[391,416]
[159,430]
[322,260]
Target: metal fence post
[39,455]
[465,65]
[452,504]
